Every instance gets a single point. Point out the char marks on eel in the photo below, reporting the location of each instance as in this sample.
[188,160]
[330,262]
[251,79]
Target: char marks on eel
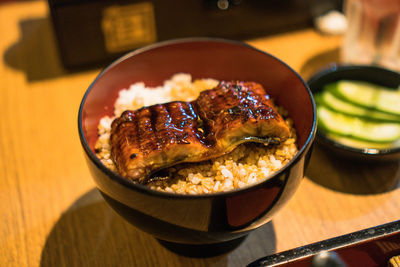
[159,136]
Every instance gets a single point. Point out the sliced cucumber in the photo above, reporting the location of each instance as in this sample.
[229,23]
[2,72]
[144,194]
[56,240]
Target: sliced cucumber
[329,99]
[344,125]
[356,143]
[370,95]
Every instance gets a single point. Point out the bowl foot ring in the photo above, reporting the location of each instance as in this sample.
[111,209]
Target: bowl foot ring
[203,250]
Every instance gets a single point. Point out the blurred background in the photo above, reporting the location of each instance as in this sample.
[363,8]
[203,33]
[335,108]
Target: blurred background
[92,33]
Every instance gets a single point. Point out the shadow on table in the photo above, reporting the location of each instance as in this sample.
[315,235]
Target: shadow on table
[319,62]
[350,176]
[89,233]
[36,52]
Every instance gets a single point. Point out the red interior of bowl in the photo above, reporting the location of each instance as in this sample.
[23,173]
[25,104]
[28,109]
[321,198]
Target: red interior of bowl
[204,58]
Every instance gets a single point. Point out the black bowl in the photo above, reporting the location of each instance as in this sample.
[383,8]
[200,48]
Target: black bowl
[208,218]
[367,73]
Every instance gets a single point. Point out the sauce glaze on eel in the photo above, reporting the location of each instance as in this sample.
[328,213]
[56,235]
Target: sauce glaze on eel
[152,138]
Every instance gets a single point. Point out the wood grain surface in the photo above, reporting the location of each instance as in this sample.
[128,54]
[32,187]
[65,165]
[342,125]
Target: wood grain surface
[52,215]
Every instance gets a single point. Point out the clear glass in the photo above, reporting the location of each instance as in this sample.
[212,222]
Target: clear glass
[373,34]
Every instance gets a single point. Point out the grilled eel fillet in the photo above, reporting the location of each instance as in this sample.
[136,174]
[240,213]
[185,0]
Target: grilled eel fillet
[159,136]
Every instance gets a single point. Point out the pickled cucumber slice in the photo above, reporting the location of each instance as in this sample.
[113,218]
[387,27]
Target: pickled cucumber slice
[356,143]
[370,95]
[344,125]
[329,99]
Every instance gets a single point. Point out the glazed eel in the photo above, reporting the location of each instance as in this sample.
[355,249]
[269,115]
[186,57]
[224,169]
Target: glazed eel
[155,137]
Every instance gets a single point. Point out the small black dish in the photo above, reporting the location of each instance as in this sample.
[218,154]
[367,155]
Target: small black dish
[367,73]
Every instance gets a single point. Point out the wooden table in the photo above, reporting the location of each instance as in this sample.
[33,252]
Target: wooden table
[51,213]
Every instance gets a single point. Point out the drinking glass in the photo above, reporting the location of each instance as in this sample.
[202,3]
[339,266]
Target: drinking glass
[373,33]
